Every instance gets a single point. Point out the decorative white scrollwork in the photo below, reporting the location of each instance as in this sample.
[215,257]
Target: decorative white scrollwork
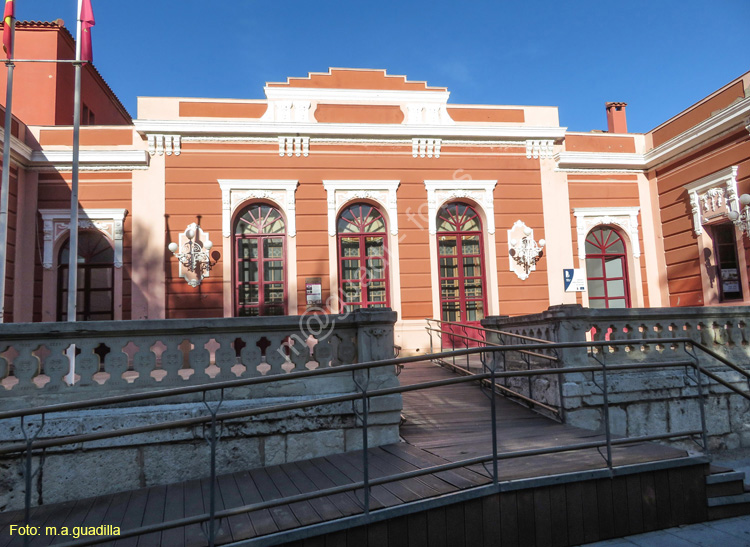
[56,222]
[194,254]
[523,251]
[713,197]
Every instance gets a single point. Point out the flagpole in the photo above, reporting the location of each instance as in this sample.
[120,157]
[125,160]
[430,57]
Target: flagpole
[5,189]
[73,226]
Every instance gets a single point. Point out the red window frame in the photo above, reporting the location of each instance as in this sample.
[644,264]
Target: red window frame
[360,217]
[605,244]
[262,222]
[457,215]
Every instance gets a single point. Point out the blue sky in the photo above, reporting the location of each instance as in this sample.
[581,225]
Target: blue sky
[659,56]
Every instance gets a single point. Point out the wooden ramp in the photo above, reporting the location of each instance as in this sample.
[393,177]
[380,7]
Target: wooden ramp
[441,425]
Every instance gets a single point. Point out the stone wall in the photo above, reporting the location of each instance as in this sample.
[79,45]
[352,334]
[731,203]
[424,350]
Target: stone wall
[658,400]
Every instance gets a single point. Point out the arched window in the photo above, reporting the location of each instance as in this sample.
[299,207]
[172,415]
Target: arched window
[95,282]
[363,264]
[460,257]
[606,269]
[259,262]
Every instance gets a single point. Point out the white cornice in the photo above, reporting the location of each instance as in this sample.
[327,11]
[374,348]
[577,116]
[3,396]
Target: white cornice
[18,148]
[255,128]
[90,158]
[356,96]
[599,160]
[732,116]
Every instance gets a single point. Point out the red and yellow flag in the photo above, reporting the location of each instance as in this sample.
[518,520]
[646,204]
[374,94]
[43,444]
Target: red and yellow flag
[8,15]
[87,21]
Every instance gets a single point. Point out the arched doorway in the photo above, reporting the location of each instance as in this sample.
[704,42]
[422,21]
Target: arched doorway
[607,269]
[362,241]
[95,280]
[461,265]
[259,262]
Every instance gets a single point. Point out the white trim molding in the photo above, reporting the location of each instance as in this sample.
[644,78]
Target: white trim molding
[294,146]
[163,144]
[91,159]
[234,192]
[216,128]
[479,191]
[730,118]
[624,217]
[713,197]
[426,147]
[57,221]
[340,192]
[539,149]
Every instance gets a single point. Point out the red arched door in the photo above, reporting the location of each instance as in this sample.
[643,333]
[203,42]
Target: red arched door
[606,269]
[363,264]
[260,262]
[461,265]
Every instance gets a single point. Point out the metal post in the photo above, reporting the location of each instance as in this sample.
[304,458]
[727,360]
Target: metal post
[5,189]
[701,399]
[494,423]
[607,431]
[215,435]
[73,225]
[362,386]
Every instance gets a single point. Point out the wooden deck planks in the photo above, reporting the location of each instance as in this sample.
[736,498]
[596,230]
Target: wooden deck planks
[444,424]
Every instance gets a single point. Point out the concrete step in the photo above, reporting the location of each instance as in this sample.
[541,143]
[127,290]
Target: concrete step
[727,494]
[721,485]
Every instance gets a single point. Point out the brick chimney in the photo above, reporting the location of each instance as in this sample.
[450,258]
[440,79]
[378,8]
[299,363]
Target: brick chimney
[616,120]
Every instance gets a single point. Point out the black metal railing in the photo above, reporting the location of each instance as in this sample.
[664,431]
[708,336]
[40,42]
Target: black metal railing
[360,372]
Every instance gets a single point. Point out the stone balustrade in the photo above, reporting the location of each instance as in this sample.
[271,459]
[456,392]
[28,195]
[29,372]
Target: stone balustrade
[116,358]
[653,401]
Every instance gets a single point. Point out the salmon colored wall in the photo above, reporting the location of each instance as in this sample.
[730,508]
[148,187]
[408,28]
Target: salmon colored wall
[358,113]
[95,191]
[51,85]
[486,115]
[356,79]
[680,243]
[222,110]
[609,191]
[90,136]
[192,189]
[694,116]
[599,143]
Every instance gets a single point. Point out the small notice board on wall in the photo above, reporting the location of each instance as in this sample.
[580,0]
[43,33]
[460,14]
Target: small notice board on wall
[314,291]
[574,280]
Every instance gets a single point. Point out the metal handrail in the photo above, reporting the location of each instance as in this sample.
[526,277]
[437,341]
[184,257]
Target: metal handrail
[258,506]
[602,367]
[485,329]
[548,357]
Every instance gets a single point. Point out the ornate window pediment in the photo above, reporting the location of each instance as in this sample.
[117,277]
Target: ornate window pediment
[236,192]
[479,191]
[382,192]
[713,197]
[56,223]
[625,218]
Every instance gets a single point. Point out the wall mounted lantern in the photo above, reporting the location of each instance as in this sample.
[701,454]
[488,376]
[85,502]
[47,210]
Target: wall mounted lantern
[741,218]
[195,260]
[523,251]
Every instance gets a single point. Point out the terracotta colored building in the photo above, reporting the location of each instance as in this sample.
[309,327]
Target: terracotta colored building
[357,188]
